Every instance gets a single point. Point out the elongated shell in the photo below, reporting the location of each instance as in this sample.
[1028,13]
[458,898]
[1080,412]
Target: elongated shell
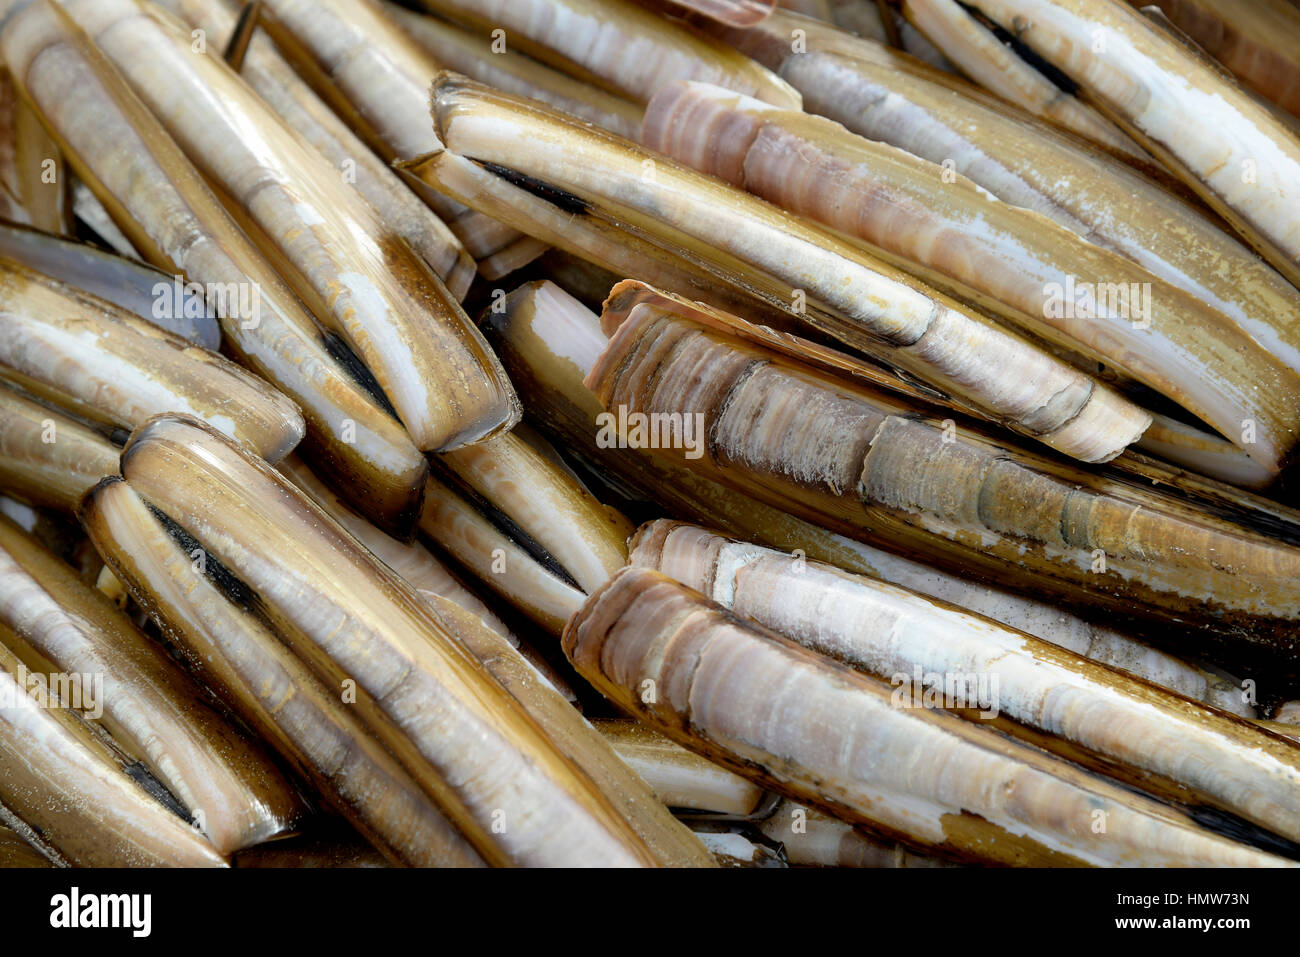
[819,733]
[575,738]
[550,503]
[359,278]
[834,453]
[1126,728]
[235,795]
[65,786]
[925,332]
[570,225]
[471,53]
[679,778]
[414,563]
[351,618]
[591,39]
[813,839]
[1160,92]
[236,653]
[545,594]
[172,217]
[1014,260]
[107,365]
[887,96]
[47,458]
[267,72]
[410,560]
[549,342]
[879,95]
[129,285]
[377,79]
[984,58]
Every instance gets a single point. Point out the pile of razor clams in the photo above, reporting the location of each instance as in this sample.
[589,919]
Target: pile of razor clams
[682,433]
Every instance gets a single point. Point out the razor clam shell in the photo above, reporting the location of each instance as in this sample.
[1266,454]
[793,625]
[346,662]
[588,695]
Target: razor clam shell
[458,528]
[550,504]
[882,308]
[129,285]
[352,618]
[172,217]
[549,342]
[594,41]
[1259,42]
[150,707]
[1173,438]
[411,561]
[62,784]
[813,839]
[377,79]
[105,364]
[679,778]
[575,738]
[581,232]
[1119,726]
[986,60]
[840,456]
[1256,511]
[234,652]
[819,733]
[1157,16]
[1205,453]
[357,276]
[267,72]
[470,53]
[417,566]
[34,182]
[877,94]
[55,473]
[1003,255]
[1158,90]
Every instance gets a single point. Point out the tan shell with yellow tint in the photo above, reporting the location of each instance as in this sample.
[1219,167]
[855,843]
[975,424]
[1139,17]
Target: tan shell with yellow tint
[1006,258]
[1165,95]
[153,711]
[878,308]
[351,618]
[839,455]
[69,792]
[817,732]
[1089,714]
[171,216]
[358,277]
[239,655]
